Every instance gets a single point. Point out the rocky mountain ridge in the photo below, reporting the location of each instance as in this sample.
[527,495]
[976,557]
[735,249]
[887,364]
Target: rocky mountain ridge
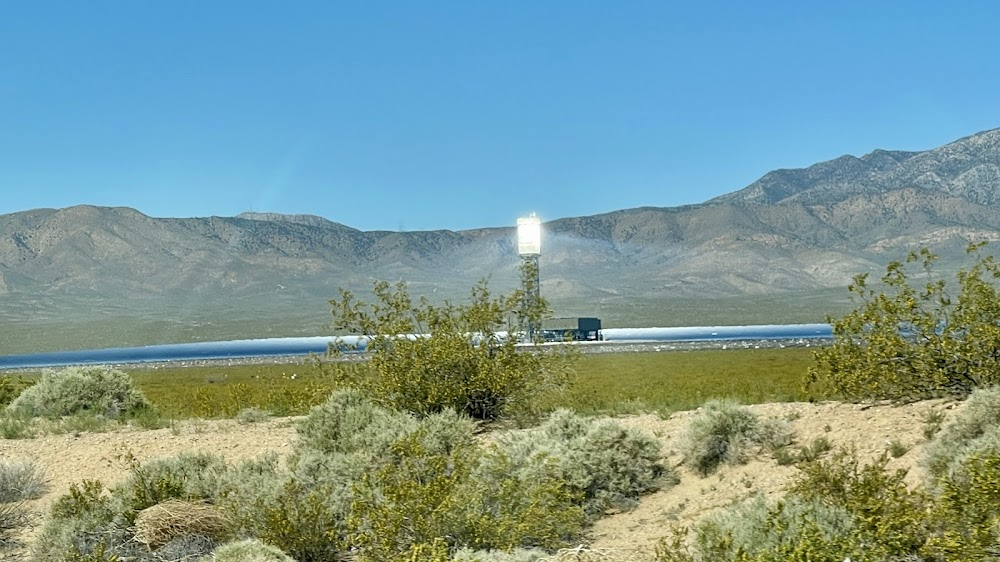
[792,230]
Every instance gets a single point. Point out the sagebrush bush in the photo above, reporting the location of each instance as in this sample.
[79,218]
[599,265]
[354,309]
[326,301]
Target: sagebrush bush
[21,480]
[608,465]
[73,390]
[725,432]
[80,523]
[17,426]
[186,476]
[252,415]
[887,514]
[348,422]
[248,550]
[978,417]
[760,529]
[401,482]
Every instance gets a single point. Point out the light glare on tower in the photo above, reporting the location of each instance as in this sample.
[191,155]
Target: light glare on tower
[529,236]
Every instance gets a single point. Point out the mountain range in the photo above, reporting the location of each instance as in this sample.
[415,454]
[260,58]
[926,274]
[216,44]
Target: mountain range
[792,232]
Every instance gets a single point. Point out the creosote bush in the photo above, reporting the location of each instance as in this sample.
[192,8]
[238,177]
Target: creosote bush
[425,358]
[75,390]
[725,432]
[907,342]
[836,509]
[11,387]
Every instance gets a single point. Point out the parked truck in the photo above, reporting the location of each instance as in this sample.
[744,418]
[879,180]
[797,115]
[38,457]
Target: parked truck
[572,329]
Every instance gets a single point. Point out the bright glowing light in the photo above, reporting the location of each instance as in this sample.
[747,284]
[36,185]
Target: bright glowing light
[529,236]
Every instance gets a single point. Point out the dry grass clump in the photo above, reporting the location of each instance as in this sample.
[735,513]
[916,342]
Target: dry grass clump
[250,550]
[19,481]
[172,519]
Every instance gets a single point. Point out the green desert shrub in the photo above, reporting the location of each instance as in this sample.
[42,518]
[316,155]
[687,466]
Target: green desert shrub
[966,515]
[349,434]
[11,387]
[906,342]
[17,426]
[400,482]
[608,465]
[304,520]
[81,525]
[365,483]
[461,496]
[725,432]
[978,419]
[248,550]
[461,360]
[94,390]
[836,509]
[888,516]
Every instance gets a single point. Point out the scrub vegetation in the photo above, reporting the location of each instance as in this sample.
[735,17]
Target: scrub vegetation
[367,482]
[908,341]
[383,470]
[602,384]
[395,467]
[902,343]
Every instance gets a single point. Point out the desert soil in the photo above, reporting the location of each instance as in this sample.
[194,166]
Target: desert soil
[627,536]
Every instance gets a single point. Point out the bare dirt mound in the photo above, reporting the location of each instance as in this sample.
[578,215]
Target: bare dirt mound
[628,536]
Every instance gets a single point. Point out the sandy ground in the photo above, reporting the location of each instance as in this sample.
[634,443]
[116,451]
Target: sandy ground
[628,536]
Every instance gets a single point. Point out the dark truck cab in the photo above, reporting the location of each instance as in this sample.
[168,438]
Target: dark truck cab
[572,329]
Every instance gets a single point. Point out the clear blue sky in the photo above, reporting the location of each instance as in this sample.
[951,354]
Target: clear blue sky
[435,114]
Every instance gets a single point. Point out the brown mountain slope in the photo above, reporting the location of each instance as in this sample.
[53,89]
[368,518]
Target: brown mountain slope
[790,231]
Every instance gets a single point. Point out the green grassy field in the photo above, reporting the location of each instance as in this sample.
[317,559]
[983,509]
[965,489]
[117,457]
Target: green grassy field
[618,383]
[682,380]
